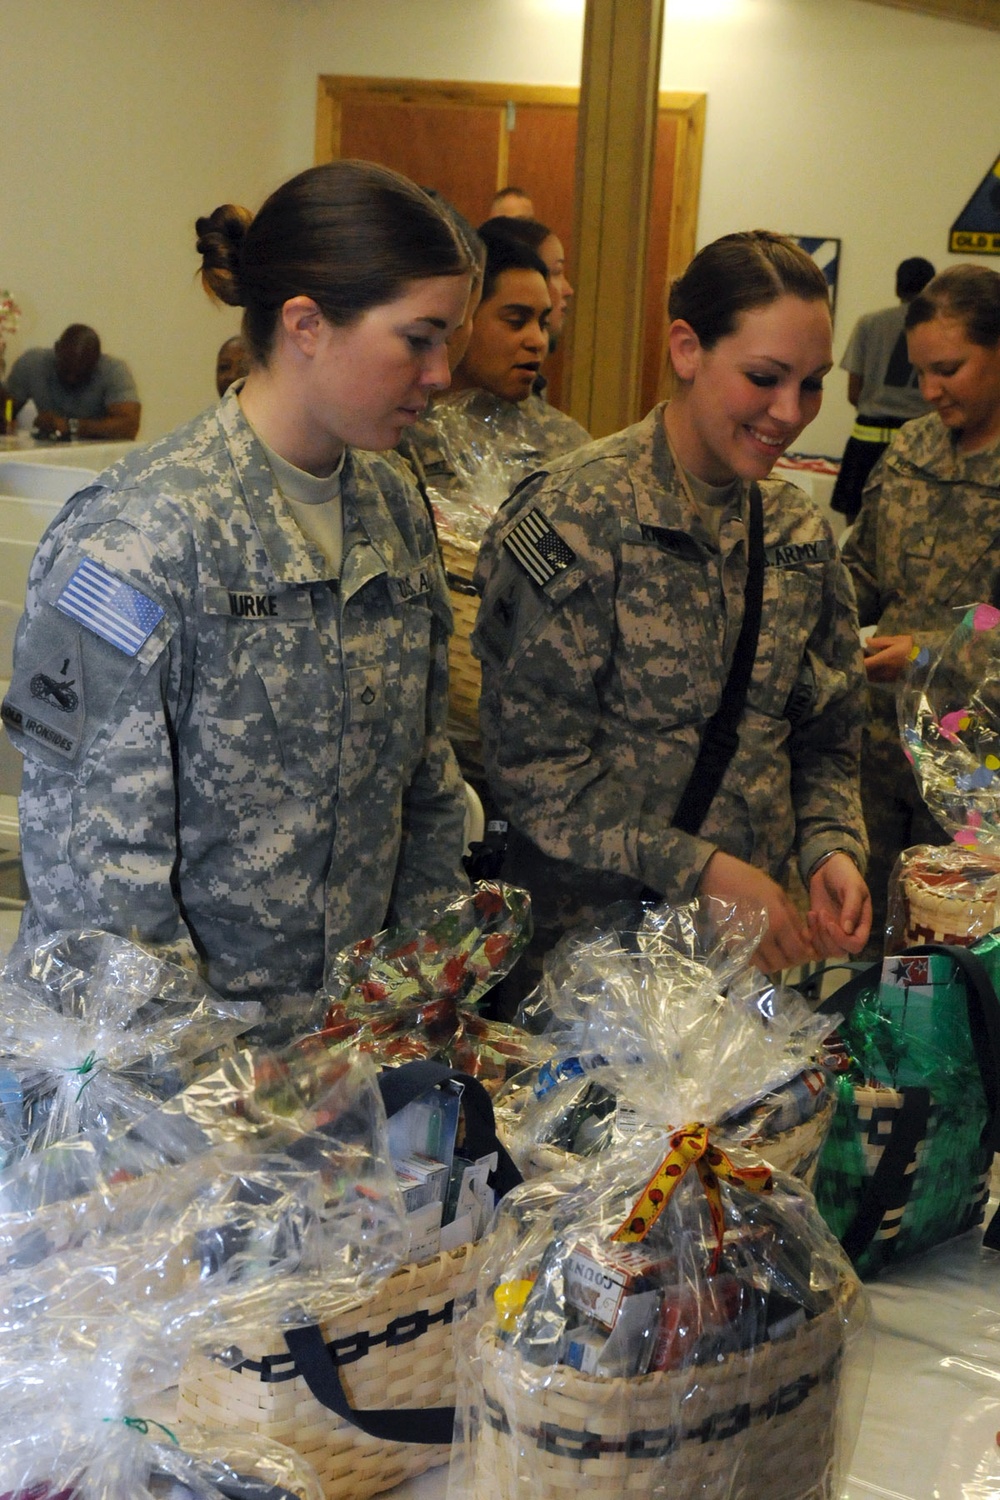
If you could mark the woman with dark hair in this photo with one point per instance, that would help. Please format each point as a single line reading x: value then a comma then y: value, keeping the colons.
x: 230, y: 680
x: 619, y: 592
x: 927, y: 540
x: 549, y: 248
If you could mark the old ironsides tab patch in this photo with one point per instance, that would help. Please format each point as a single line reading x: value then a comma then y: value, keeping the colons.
x: 539, y: 549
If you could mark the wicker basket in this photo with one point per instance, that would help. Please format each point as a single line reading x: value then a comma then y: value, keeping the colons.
x: 464, y: 677
x: 759, y: 1425
x: 395, y: 1350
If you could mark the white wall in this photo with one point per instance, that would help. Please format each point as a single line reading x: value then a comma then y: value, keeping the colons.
x: 125, y: 119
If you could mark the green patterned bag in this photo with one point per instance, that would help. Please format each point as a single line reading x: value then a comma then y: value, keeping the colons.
x: 907, y: 1161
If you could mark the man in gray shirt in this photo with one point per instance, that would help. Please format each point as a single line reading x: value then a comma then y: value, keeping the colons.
x: 882, y: 384
x: 78, y: 391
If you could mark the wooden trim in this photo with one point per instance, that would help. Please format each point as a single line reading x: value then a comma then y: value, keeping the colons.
x: 442, y: 91
x: 985, y: 13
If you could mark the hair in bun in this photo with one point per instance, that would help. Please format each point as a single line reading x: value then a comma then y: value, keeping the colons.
x: 349, y: 234
x: 221, y: 237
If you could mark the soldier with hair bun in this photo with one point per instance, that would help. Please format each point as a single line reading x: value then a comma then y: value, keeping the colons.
x: 614, y: 588
x: 251, y: 769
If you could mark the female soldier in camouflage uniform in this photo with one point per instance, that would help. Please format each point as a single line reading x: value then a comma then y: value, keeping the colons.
x: 230, y: 680
x: 613, y: 592
x: 927, y: 541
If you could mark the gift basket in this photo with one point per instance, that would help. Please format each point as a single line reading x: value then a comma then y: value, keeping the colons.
x: 670, y: 1319
x: 404, y: 995
x: 907, y: 1161
x: 262, y: 1215
x: 949, y: 719
x: 669, y: 1017
x: 94, y: 1032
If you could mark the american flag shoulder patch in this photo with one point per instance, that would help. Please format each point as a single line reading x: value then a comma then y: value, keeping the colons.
x: 538, y: 548
x: 110, y: 607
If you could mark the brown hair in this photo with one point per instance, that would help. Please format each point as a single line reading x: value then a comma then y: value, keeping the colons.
x: 740, y: 272
x: 348, y: 234
x: 966, y: 292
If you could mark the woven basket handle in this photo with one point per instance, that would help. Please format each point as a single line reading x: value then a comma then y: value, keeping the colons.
x: 410, y: 1425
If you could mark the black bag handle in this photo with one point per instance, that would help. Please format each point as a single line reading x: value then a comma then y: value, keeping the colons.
x: 983, y: 1005
x: 399, y: 1087
x: 721, y: 737
x: 408, y: 1425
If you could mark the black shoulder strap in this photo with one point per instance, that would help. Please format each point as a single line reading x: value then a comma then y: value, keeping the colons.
x: 721, y: 736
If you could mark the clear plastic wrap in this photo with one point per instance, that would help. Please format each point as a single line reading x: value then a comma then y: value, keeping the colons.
x: 943, y: 894
x: 264, y: 1202
x: 666, y: 1024
x: 489, y: 447
x: 949, y: 721
x: 671, y: 1320
x: 94, y: 1032
x: 67, y: 1430
x: 405, y: 995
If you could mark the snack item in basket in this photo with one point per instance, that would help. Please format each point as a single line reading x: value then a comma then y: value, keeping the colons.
x: 943, y: 895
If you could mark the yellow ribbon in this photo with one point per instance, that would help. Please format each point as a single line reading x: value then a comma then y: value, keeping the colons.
x: 690, y: 1147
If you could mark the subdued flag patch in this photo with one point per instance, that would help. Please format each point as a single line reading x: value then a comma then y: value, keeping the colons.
x: 539, y: 549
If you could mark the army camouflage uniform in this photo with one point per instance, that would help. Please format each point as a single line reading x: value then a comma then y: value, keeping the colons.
x: 231, y: 754
x: 925, y: 546
x: 524, y: 433
x: 608, y: 623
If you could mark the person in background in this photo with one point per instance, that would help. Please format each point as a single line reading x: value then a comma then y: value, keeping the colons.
x: 512, y: 203
x: 927, y: 541
x: 493, y: 382
x: 548, y: 247
x: 78, y: 391
x: 613, y: 594
x: 882, y: 384
x: 232, y: 363
x: 230, y: 680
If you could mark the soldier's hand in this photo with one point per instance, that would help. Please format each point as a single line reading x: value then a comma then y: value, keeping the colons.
x: 886, y: 656
x: 840, y: 912
x: 787, y: 940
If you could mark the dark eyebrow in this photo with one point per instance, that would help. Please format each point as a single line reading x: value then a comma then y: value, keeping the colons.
x: 779, y: 364
x: 525, y: 309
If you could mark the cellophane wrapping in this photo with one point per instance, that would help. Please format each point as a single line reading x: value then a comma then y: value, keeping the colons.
x: 949, y: 722
x: 659, y: 1364
x: 942, y: 894
x: 670, y: 1022
x: 405, y: 995
x: 94, y: 1032
x: 259, y: 1197
x: 489, y: 448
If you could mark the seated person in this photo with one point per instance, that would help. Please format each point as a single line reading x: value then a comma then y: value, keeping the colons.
x: 232, y: 363
x: 492, y: 390
x: 78, y: 391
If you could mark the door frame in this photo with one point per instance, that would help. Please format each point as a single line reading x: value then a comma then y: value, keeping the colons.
x: 688, y: 108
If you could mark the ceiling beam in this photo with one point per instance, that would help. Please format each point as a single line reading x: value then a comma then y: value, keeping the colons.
x: 972, y: 12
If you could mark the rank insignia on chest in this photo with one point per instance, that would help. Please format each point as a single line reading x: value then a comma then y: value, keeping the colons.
x: 538, y: 548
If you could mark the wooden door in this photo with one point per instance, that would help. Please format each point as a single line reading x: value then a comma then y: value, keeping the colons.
x: 467, y: 140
